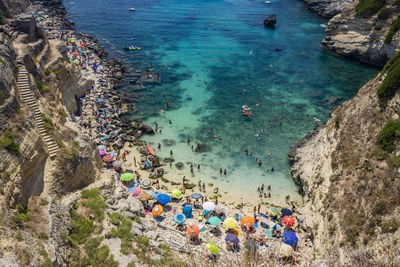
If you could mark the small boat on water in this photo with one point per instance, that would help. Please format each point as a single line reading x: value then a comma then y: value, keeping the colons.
x: 132, y: 9
x: 246, y: 111
x: 132, y: 48
x: 267, y: 2
x: 322, y: 25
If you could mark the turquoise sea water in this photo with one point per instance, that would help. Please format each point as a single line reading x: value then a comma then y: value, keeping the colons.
x: 215, y: 56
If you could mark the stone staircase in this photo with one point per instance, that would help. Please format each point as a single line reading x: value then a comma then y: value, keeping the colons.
x: 27, y: 95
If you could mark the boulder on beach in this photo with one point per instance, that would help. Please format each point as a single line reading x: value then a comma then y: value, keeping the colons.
x: 145, y: 129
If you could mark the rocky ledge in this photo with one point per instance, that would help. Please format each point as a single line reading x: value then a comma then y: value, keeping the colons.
x: 328, y: 8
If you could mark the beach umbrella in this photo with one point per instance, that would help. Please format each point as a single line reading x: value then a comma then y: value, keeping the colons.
x: 155, y: 194
x: 176, y: 193
x: 274, y: 210
x: 232, y: 239
x: 290, y: 238
x: 101, y: 100
x: 146, y: 184
x: 286, y: 250
x: 212, y: 248
x: 286, y: 212
x: 163, y: 199
x: 214, y: 220
x: 193, y: 230
x: 136, y: 192
x: 117, y: 163
x: 288, y: 220
x: 102, y: 147
x: 144, y: 196
x: 230, y: 223
x: 127, y: 177
x: 179, y: 218
x: 209, y: 206
x: 108, y: 158
x: 54, y: 31
x: 247, y: 221
x: 76, y: 54
x: 157, y: 210
x: 187, y: 210
x: 219, y: 208
x: 196, y: 195
x: 102, y: 152
x: 269, y: 233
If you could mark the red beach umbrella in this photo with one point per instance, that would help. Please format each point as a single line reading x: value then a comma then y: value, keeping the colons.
x: 288, y: 220
x: 136, y: 192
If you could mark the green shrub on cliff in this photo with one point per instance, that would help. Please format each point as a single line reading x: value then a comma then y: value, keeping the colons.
x: 393, y: 29
x: 8, y: 142
x: 42, y: 87
x: 384, y: 14
x: 388, y: 135
x: 391, y: 84
x: 367, y: 8
x: 1, y: 18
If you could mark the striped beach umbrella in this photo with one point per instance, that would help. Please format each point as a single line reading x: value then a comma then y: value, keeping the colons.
x: 230, y: 223
x: 108, y: 158
x: 117, y: 163
x: 176, y: 193
x: 180, y: 218
x: 196, y: 195
x: 144, y: 196
x: 288, y: 220
x: 127, y: 177
x: 214, y: 221
x: 146, y: 184
x: 157, y: 210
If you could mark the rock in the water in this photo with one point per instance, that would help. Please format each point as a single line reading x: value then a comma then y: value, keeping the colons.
x: 179, y: 165
x: 270, y: 21
x: 168, y: 142
x: 203, y: 148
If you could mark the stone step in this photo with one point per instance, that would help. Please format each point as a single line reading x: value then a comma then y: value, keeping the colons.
x: 53, y: 147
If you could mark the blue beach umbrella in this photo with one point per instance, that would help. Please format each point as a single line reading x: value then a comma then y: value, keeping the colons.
x: 286, y: 212
x: 290, y: 238
x: 155, y: 194
x: 163, y: 199
x: 100, y: 100
x: 187, y: 210
x: 232, y: 239
x: 214, y: 221
x: 196, y: 195
x: 180, y: 218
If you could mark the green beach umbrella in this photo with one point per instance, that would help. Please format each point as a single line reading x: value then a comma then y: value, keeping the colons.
x: 177, y: 193
x: 127, y: 177
x: 274, y: 210
x: 212, y: 248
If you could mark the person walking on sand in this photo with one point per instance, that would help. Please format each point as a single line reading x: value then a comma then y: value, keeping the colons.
x: 204, y: 187
x: 200, y: 185
x: 183, y: 180
x: 258, y: 208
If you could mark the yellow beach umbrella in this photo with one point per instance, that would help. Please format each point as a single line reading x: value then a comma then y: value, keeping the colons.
x: 230, y: 223
x: 177, y: 193
x: 212, y: 248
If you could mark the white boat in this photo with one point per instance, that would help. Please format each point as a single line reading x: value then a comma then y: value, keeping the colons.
x: 267, y: 2
x: 323, y: 25
x: 132, y: 9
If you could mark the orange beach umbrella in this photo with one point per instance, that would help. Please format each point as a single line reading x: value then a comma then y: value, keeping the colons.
x: 157, y: 210
x: 247, y: 221
x: 193, y: 230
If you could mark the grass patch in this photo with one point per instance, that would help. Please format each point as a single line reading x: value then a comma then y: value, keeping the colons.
x: 390, y: 227
x: 394, y: 161
x: 2, y: 95
x: 93, y: 200
x: 42, y: 86
x: 388, y: 135
x: 82, y: 228
x: 48, y: 124
x: 391, y: 83
x: 22, y: 215
x: 384, y: 14
x: 8, y: 142
x: 123, y: 231
x: 392, y: 31
x: 367, y: 8
x: 47, y: 71
x: 337, y: 122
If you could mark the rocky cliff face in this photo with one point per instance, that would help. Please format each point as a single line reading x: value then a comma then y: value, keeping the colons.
x: 351, y: 186
x: 328, y: 8
x: 361, y: 35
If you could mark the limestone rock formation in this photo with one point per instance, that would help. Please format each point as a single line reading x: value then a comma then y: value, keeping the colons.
x: 328, y: 8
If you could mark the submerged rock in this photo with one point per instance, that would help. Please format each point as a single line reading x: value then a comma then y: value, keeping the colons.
x: 168, y: 142
x: 179, y: 165
x: 270, y: 21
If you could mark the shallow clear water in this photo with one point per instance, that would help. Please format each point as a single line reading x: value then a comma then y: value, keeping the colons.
x: 215, y: 56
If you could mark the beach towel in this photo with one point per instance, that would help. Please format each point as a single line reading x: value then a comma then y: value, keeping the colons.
x: 255, y: 225
x: 264, y: 215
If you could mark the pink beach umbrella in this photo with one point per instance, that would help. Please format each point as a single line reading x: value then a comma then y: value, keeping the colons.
x: 102, y: 152
x: 108, y: 158
x: 136, y: 192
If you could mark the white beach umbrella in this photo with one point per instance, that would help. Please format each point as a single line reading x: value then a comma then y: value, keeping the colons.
x: 209, y: 206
